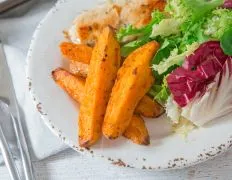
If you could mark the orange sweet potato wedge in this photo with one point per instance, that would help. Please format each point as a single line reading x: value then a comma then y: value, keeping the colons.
x: 137, y: 131
x: 104, y: 64
x: 76, y: 52
x: 134, y: 79
x: 73, y: 85
x: 149, y: 108
x: 79, y: 69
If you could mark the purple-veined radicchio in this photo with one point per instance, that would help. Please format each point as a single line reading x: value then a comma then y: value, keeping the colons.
x: 216, y: 102
x: 227, y: 4
x: 197, y: 72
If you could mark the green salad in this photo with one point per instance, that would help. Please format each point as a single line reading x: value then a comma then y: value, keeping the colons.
x: 189, y: 32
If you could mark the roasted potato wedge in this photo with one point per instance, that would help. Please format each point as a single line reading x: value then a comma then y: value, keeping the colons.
x: 133, y: 81
x: 79, y: 69
x: 149, y: 108
x: 76, y: 52
x: 73, y: 85
x: 137, y: 131
x: 104, y: 64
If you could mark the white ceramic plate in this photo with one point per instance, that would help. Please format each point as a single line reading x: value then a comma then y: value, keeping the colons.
x: 59, y: 112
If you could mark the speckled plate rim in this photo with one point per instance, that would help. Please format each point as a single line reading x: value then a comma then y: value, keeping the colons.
x: 213, y: 152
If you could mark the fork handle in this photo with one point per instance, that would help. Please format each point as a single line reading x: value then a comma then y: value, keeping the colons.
x: 7, y: 156
x: 24, y: 152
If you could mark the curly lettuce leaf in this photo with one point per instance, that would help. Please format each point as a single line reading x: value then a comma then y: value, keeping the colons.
x: 166, y: 27
x: 129, y: 30
x: 142, y: 34
x: 200, y: 8
x: 192, y: 28
x: 219, y: 21
x: 160, y: 92
x: 133, y: 45
x: 190, y: 31
x: 165, y: 50
x: 183, y: 22
x: 191, y: 9
x: 174, y: 59
x: 177, y: 9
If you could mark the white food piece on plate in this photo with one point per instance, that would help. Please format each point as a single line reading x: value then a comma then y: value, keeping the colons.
x: 73, y: 35
x: 120, y: 2
x: 87, y: 26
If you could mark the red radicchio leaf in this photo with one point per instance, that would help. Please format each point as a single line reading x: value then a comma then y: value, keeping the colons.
x: 227, y: 4
x: 197, y: 72
x: 216, y: 102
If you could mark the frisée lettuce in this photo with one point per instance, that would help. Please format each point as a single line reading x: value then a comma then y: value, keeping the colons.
x: 175, y: 58
x: 193, y: 30
x: 195, y: 38
x: 141, y: 35
x: 160, y: 92
x: 217, y: 23
x: 166, y: 28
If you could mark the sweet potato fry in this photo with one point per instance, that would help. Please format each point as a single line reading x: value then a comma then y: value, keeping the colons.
x: 133, y: 81
x: 137, y: 131
x: 79, y: 69
x: 76, y: 52
x: 149, y: 108
x: 73, y: 85
x: 146, y: 107
x: 104, y: 64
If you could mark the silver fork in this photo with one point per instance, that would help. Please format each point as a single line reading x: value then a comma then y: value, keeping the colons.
x: 6, y: 154
x: 13, y: 111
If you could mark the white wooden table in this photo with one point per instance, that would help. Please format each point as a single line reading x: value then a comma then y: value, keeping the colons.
x: 70, y: 165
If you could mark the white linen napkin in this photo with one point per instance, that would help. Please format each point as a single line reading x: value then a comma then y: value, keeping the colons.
x: 17, y: 33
